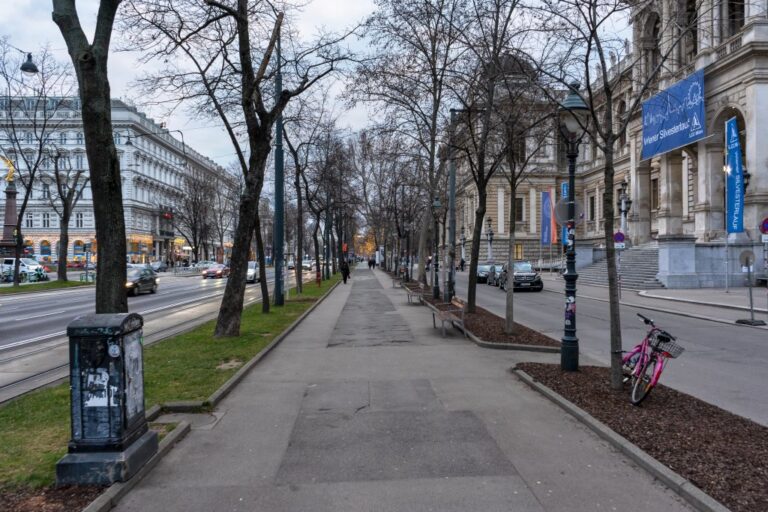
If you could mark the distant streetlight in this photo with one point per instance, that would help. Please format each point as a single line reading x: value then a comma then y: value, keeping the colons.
x: 489, y: 237
x: 573, y: 114
x: 436, y: 205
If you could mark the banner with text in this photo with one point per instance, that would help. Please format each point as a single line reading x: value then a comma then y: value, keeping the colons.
x: 546, y: 218
x: 734, y: 185
x: 675, y: 117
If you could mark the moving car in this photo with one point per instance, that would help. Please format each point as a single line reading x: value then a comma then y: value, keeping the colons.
x: 482, y: 273
x: 524, y: 277
x: 139, y: 280
x: 216, y: 270
x: 252, y: 275
x: 159, y: 266
x: 307, y: 264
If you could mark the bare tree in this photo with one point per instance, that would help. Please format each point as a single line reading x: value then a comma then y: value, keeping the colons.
x: 193, y: 210
x: 220, y: 61
x: 225, y: 196
x: 90, y: 62
x: 32, y: 116
x: 417, y: 45
x: 68, y: 182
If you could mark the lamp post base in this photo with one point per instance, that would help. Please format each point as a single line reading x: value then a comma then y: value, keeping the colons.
x: 569, y: 356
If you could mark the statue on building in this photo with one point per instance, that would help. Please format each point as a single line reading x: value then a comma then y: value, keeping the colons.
x: 11, y: 169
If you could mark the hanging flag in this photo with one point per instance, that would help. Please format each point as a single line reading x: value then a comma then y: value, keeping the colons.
x: 734, y: 179
x: 564, y: 196
x: 546, y: 218
x: 552, y: 220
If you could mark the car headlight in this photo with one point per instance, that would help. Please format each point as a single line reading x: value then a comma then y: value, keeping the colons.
x: 128, y: 284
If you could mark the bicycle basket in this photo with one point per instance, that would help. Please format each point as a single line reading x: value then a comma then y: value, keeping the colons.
x: 666, y: 344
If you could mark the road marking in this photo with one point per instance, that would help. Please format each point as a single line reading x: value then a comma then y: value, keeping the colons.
x: 32, y: 340
x: 40, y: 316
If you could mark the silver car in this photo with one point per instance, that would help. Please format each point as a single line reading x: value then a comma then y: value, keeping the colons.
x: 252, y: 275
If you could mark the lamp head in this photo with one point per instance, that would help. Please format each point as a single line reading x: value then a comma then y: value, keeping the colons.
x: 29, y: 68
x: 128, y: 142
x: 436, y: 204
x: 573, y: 112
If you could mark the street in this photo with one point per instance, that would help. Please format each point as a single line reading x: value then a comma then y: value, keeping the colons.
x: 33, y: 332
x: 722, y: 364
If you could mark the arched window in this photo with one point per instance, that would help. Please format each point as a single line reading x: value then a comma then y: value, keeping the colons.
x: 735, y: 16
x: 45, y: 248
x: 621, y: 115
x: 63, y: 138
x: 79, y: 138
x: 78, y: 248
x: 691, y: 33
x: 29, y: 248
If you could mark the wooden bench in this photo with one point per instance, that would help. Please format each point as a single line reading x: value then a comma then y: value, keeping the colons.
x: 454, y: 314
x: 416, y: 293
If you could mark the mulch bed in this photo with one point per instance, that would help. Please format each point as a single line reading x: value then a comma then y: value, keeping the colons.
x: 723, y: 454
x: 48, y: 499
x: 490, y: 327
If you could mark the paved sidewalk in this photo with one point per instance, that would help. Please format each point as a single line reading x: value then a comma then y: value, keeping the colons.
x: 365, y: 407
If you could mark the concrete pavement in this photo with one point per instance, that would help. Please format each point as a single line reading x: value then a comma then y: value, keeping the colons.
x: 365, y: 407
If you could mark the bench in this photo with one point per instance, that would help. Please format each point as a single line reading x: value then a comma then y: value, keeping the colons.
x: 416, y: 293
x: 453, y: 314
x: 397, y: 282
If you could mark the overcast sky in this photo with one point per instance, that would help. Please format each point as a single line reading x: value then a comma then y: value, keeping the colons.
x: 28, y: 25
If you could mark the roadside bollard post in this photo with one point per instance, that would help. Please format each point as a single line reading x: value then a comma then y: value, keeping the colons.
x: 110, y: 439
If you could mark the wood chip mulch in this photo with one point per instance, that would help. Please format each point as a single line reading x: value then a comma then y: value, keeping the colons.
x: 723, y: 454
x: 48, y: 499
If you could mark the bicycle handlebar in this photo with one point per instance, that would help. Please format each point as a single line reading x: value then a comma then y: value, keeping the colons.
x: 645, y: 319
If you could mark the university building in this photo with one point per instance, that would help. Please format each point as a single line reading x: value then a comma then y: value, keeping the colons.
x: 152, y: 164
x: 678, y: 196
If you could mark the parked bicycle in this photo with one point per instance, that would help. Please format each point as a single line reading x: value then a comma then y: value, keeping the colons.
x: 644, y: 364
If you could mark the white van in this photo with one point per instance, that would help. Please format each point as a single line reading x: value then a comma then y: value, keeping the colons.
x: 26, y: 265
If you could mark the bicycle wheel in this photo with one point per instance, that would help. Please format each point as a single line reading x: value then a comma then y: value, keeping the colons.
x: 641, y: 384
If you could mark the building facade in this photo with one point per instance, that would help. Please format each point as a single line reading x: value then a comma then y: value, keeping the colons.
x: 678, y: 198
x: 153, y: 164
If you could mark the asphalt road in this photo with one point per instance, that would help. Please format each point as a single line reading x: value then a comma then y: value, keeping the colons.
x: 722, y: 364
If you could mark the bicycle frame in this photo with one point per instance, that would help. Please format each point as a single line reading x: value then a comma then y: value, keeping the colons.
x: 645, y: 353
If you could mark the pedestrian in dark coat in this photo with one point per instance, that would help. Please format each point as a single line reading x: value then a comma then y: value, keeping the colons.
x: 344, y: 270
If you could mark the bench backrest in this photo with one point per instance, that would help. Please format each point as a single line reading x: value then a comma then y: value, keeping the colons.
x: 459, y: 304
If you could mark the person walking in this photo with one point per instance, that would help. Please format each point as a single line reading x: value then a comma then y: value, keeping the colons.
x: 462, y: 264
x: 344, y: 270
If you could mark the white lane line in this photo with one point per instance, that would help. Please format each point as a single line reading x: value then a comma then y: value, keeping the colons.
x: 32, y: 340
x: 39, y: 316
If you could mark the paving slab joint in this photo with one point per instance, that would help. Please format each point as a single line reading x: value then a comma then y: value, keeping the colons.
x: 115, y: 492
x: 682, y: 487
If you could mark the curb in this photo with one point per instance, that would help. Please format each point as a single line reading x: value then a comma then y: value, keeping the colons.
x: 684, y: 488
x: 115, y: 492
x: 224, y: 390
x: 645, y: 293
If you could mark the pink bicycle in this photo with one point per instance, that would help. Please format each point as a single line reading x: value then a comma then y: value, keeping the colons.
x: 644, y: 364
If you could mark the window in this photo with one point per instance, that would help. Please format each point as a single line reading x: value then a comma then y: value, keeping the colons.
x: 46, y: 191
x: 735, y: 16
x: 519, y: 209
x: 78, y: 220
x: 79, y: 138
x: 29, y: 138
x: 63, y: 138
x: 79, y: 161
x: 118, y: 139
x: 591, y: 208
x: 29, y: 221
x: 46, y: 220
x: 655, y: 194
x: 518, y: 251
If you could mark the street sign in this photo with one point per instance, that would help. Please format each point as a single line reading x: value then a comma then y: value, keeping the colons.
x: 764, y: 226
x: 618, y: 237
x: 764, y: 238
x: 620, y: 245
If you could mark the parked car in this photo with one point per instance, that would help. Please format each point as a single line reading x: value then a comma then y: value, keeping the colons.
x: 26, y: 265
x: 494, y: 274
x: 291, y: 264
x: 217, y: 270
x: 139, y: 280
x: 204, y: 264
x: 252, y: 275
x: 307, y: 264
x: 524, y: 277
x: 482, y: 273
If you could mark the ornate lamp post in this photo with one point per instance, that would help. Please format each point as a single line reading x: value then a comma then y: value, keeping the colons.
x: 623, y: 204
x: 489, y: 237
x: 574, y: 114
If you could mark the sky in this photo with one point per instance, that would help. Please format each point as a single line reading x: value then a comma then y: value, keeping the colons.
x: 28, y: 26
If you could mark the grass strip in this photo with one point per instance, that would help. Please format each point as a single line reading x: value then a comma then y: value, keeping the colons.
x: 41, y: 286
x: 35, y: 428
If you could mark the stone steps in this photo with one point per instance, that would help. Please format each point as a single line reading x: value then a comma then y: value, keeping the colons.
x: 639, y: 267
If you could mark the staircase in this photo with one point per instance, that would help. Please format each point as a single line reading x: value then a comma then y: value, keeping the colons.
x: 639, y: 266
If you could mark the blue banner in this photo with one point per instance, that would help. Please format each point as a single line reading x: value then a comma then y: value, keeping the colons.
x: 734, y: 184
x: 564, y: 195
x: 546, y: 218
x: 675, y: 117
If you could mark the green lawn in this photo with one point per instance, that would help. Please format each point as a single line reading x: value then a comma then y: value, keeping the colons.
x: 34, y: 430
x: 41, y: 286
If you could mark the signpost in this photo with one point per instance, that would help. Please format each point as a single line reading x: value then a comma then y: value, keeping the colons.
x: 747, y: 258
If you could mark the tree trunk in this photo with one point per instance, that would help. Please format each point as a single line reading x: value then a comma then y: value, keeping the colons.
x: 509, y: 317
x: 613, y: 280
x: 318, y: 268
x: 474, y: 255
x: 61, y: 271
x: 262, y: 265
x: 90, y: 62
x: 299, y: 236
x: 228, y: 321
x: 423, y: 249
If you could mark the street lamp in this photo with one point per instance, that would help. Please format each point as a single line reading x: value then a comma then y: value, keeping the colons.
x: 436, y: 205
x: 463, y: 239
x: 29, y: 68
x: 624, y: 203
x: 489, y: 237
x: 573, y: 116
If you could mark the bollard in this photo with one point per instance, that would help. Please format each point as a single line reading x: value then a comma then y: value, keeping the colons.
x: 110, y: 440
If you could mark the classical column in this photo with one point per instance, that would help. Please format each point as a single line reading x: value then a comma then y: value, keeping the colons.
x: 710, y: 199
x: 670, y: 215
